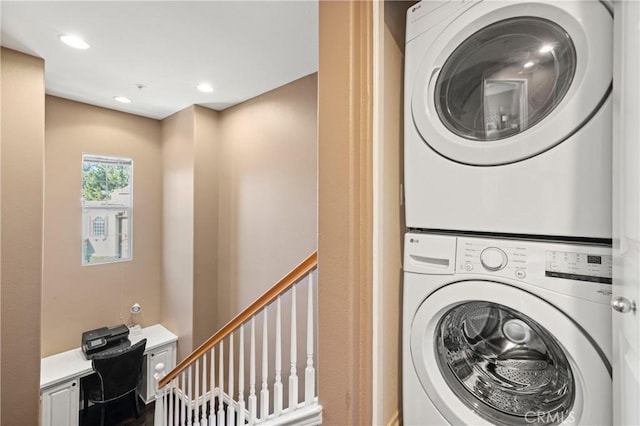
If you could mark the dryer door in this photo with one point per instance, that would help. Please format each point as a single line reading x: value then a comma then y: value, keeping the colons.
x: 489, y: 353
x: 506, y: 81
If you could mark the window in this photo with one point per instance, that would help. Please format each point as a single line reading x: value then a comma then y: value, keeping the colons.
x: 107, y: 202
x: 98, y: 226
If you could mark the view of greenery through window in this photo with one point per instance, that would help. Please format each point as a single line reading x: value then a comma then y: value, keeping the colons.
x: 106, y: 202
x: 99, y: 180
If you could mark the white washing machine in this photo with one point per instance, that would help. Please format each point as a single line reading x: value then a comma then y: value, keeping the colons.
x: 505, y: 332
x: 508, y: 117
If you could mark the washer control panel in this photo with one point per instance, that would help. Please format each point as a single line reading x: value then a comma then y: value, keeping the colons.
x: 581, y: 270
x: 577, y: 270
x: 480, y: 256
x: 579, y: 266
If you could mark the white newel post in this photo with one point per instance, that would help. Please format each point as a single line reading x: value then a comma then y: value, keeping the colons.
x: 158, y: 418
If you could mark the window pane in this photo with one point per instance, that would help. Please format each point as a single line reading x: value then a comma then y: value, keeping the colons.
x: 107, y: 206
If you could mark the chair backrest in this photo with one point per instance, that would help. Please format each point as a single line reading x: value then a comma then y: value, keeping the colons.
x: 120, y: 371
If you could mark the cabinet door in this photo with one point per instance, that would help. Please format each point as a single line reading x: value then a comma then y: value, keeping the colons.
x: 165, y: 355
x: 60, y: 405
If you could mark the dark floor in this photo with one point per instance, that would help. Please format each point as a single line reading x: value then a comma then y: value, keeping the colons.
x: 119, y: 413
x: 122, y: 413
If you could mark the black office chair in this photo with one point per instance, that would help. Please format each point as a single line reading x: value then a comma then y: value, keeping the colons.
x: 117, y: 374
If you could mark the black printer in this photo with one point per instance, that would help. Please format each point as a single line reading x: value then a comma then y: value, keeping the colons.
x: 104, y: 339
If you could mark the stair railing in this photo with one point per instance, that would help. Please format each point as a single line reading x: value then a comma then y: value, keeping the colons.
x: 195, y: 393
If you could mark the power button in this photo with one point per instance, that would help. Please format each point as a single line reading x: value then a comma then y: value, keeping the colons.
x: 520, y: 273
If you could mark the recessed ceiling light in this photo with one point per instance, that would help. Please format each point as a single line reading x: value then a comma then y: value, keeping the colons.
x: 528, y: 64
x: 122, y: 99
x: 205, y: 87
x: 73, y: 41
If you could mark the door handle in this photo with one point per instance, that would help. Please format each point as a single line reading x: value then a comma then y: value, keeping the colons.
x: 623, y: 305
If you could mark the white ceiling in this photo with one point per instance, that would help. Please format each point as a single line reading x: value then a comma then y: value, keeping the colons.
x: 242, y: 48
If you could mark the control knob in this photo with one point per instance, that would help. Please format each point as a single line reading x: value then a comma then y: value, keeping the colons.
x: 493, y: 258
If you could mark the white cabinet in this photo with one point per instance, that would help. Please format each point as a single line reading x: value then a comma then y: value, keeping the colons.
x: 60, y: 404
x: 60, y: 375
x: 165, y: 354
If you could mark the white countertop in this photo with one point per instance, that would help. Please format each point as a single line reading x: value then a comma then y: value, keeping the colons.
x: 71, y: 364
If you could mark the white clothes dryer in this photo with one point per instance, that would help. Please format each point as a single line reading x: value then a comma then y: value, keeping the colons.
x: 505, y: 332
x: 508, y: 117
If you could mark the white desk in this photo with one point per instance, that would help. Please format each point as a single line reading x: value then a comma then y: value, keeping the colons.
x: 60, y: 375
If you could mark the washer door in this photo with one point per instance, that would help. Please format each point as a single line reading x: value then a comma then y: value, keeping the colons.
x: 489, y: 353
x: 504, y: 82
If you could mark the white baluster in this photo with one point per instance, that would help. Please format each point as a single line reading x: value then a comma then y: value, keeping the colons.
x: 176, y: 401
x: 241, y: 406
x: 277, y: 385
x: 230, y: 408
x: 183, y: 398
x: 252, y: 375
x: 158, y: 414
x: 170, y: 402
x: 221, y: 391
x: 212, y: 384
x: 310, y: 374
x: 264, y: 393
x: 293, y: 377
x: 203, y: 421
x: 165, y: 414
x: 196, y: 395
x: 189, y: 398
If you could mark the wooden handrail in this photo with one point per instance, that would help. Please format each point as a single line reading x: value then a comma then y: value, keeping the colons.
x: 269, y: 296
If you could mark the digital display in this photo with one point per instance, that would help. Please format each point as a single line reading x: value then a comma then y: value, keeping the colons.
x: 577, y: 266
x: 594, y: 260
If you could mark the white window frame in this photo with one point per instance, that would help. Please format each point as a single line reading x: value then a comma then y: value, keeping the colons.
x: 94, y: 209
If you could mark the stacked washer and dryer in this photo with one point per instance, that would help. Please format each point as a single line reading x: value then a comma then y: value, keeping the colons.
x: 507, y: 262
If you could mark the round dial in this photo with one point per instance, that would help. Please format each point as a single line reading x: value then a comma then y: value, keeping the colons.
x: 493, y: 258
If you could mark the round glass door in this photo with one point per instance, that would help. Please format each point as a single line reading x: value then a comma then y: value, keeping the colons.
x: 503, y: 82
x: 488, y: 353
x: 505, y: 78
x: 504, y: 365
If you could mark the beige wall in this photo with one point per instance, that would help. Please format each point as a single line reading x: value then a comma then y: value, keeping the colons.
x: 190, y: 243
x: 389, y: 231
x: 21, y: 192
x: 205, y: 244
x: 178, y: 227
x: 77, y: 298
x: 268, y: 191
x: 345, y: 212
